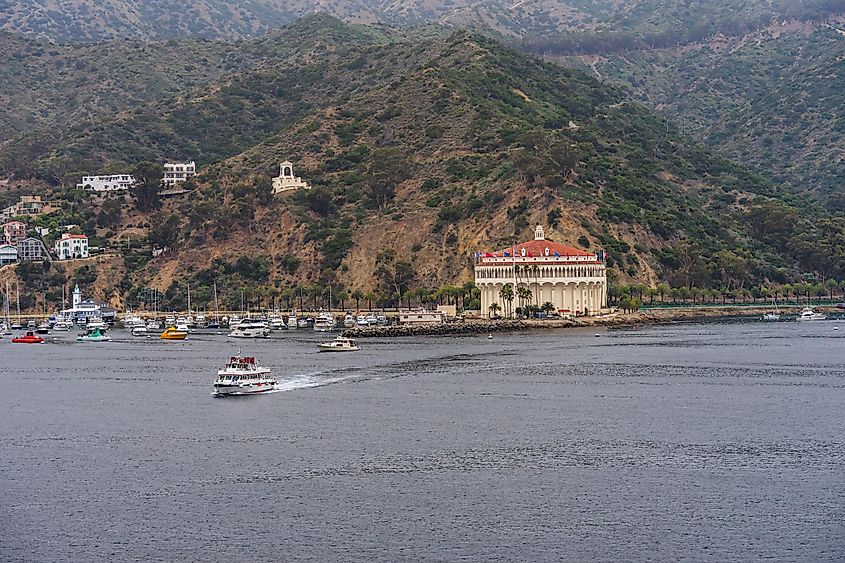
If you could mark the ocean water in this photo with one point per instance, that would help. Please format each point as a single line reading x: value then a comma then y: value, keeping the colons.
x: 717, y: 442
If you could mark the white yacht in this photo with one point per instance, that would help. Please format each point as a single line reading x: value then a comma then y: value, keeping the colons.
x: 43, y: 328
x: 170, y: 320
x: 372, y: 319
x: 249, y: 328
x: 382, y: 320
x: 131, y: 321
x: 339, y: 344
x: 304, y: 322
x: 153, y: 324
x: 140, y: 331
x: 324, y: 322
x: 95, y: 323
x: 771, y: 316
x: 292, y: 321
x: 348, y: 321
x: 62, y: 326
x: 242, y: 376
x: 808, y: 314
x: 361, y: 321
x: 277, y: 323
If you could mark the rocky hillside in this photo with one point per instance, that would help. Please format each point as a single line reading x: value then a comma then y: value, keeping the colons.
x: 421, y: 151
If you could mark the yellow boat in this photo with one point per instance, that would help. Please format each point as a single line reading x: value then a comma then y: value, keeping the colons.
x: 170, y: 333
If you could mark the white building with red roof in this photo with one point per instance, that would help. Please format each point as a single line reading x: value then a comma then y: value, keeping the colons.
x: 573, y: 280
x: 71, y: 247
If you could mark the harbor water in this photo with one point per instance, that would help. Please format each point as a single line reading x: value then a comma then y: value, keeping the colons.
x: 718, y: 441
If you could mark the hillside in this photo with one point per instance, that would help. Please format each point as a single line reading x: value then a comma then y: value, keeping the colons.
x: 771, y: 99
x: 421, y: 151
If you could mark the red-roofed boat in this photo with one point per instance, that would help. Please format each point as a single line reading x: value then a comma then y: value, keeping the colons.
x: 29, y: 338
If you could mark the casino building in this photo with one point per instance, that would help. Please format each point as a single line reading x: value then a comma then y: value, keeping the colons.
x: 573, y: 280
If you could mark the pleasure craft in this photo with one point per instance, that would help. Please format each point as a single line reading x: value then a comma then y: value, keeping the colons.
x: 153, y: 324
x: 140, y: 331
x: 242, y: 376
x: 249, y: 328
x: 808, y: 314
x: 372, y: 319
x: 292, y: 321
x: 382, y: 320
x: 361, y: 321
x: 62, y: 326
x: 771, y: 316
x: 348, y: 321
x: 29, y: 338
x: 277, y: 323
x: 93, y: 335
x: 339, y: 344
x: 304, y: 322
x: 130, y: 322
x: 324, y: 322
x: 43, y: 328
x: 172, y: 333
x: 95, y: 323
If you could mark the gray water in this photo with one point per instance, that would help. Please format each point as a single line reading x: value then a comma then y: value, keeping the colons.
x: 720, y: 442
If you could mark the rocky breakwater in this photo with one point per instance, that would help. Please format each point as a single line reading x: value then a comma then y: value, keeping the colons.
x: 459, y: 328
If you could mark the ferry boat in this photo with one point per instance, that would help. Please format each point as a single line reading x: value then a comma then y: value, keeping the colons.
x: 242, y: 376
x: 808, y: 314
x: 171, y: 333
x: 93, y: 335
x: 249, y: 328
x: 339, y: 344
x: 324, y: 322
x: 29, y: 338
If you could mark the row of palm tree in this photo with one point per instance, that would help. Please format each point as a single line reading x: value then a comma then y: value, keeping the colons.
x: 663, y: 293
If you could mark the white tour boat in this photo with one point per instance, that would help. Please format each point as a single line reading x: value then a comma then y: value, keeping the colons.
x: 339, y: 344
x: 249, y: 328
x: 808, y: 314
x: 242, y: 376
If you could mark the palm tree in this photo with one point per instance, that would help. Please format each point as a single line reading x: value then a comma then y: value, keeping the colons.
x: 494, y: 309
x: 547, y: 307
x: 506, y: 293
x: 357, y: 295
x: 662, y: 289
x: 342, y: 296
x: 524, y: 295
x: 370, y: 297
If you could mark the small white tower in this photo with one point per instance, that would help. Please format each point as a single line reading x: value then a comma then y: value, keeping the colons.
x: 77, y: 296
x: 539, y: 234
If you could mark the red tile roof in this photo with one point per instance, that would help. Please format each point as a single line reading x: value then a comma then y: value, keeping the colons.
x: 538, y: 248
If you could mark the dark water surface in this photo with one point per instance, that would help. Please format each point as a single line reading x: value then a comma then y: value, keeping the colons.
x: 721, y: 442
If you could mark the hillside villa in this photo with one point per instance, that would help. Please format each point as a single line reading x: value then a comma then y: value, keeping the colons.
x: 71, y: 247
x: 573, y: 280
x: 178, y: 172
x: 27, y: 206
x: 112, y: 183
x: 14, y: 232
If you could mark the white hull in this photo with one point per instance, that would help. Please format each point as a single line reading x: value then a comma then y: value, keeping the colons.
x: 249, y: 333
x: 338, y: 349
x: 246, y: 389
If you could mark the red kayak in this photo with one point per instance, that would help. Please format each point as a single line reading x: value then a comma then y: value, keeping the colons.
x: 28, y: 338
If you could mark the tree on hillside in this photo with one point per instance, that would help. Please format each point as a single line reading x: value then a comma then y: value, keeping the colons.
x: 148, y: 177
x: 388, y: 168
x: 164, y: 232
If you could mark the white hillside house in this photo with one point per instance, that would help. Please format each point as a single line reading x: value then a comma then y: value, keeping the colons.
x: 178, y: 172
x: 286, y: 181
x: 71, y: 247
x: 113, y: 183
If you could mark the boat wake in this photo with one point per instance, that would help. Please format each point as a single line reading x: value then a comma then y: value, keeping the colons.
x: 313, y: 380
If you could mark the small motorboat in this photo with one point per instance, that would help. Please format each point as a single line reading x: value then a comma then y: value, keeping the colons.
x: 771, y: 316
x: 93, y: 335
x: 29, y: 338
x: 95, y: 323
x: 339, y: 344
x: 372, y: 320
x: 808, y: 314
x: 140, y: 331
x: 171, y: 333
x: 324, y: 322
x: 242, y: 376
x: 62, y: 326
x: 361, y: 321
x: 277, y: 323
x: 153, y: 325
x: 43, y: 328
x: 292, y: 321
x: 348, y: 321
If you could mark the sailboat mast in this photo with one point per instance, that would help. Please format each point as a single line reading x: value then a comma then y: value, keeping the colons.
x: 18, y: 298
x: 189, y: 299
x: 216, y: 303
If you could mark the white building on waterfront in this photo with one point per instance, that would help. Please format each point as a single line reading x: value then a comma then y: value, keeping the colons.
x: 88, y: 309
x: 112, y: 183
x: 71, y: 247
x: 286, y: 181
x: 178, y: 172
x: 573, y: 280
